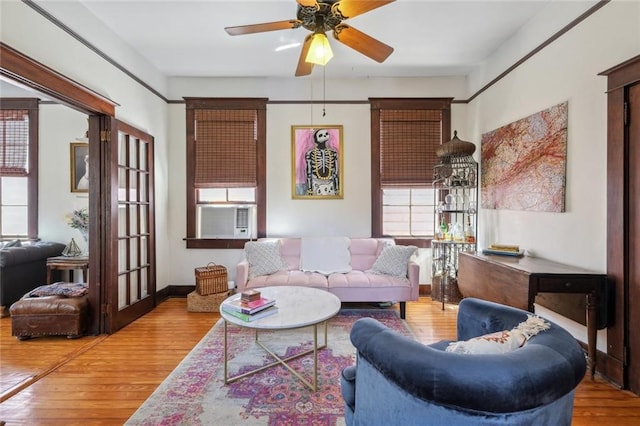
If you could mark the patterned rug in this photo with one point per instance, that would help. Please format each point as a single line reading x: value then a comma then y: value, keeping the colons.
x: 195, y: 393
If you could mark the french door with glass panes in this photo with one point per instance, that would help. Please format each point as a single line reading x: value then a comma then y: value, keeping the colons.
x: 129, y: 225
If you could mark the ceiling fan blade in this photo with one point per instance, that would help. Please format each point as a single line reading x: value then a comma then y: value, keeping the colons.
x: 351, y: 8
x: 304, y: 67
x: 307, y: 3
x: 260, y: 28
x: 367, y: 45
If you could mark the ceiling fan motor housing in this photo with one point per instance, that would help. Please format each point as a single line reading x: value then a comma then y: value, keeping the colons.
x: 326, y: 14
x: 320, y: 17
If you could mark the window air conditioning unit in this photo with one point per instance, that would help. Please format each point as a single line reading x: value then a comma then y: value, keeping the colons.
x: 228, y: 222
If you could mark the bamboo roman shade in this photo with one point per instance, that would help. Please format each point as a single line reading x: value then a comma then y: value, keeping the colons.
x: 14, y: 142
x: 225, y: 148
x: 408, y: 142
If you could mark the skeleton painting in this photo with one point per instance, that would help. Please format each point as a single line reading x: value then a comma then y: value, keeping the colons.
x: 317, y: 161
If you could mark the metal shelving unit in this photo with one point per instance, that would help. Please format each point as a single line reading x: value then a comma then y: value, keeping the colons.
x: 456, y: 203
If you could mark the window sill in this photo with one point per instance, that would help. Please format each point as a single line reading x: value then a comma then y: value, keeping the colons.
x: 200, y: 243
x: 420, y: 242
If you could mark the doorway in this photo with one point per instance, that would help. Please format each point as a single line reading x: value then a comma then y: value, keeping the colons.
x: 623, y: 221
x: 121, y: 227
x: 633, y: 297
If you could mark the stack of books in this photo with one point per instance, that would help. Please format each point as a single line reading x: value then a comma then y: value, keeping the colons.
x: 250, y: 306
x: 504, y: 250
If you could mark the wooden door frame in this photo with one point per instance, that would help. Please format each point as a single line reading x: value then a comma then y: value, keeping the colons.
x: 618, y: 199
x: 33, y: 75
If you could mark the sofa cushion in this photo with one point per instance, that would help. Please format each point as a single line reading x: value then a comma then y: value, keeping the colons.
x: 364, y: 252
x: 290, y: 251
x: 11, y: 256
x: 264, y: 257
x: 291, y: 278
x: 325, y: 255
x: 361, y: 279
x: 393, y: 260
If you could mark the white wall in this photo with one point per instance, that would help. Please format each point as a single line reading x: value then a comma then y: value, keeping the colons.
x: 567, y: 70
x: 28, y: 32
x: 58, y: 126
x: 350, y: 216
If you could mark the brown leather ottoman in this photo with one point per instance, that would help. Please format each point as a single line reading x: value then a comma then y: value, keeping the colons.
x: 49, y: 316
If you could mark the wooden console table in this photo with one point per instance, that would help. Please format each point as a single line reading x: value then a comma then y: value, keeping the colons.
x: 515, y: 281
x: 68, y: 263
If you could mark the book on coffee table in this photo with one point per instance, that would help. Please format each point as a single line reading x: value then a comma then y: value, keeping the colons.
x: 250, y: 308
x: 248, y: 317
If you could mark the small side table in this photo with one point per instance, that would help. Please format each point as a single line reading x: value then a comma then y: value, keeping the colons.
x: 67, y: 263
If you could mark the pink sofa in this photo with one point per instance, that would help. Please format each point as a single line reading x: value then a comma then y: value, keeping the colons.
x: 357, y: 285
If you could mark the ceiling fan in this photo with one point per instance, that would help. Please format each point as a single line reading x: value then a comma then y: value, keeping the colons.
x: 319, y: 17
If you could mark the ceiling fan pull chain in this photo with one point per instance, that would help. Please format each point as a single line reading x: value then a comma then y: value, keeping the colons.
x: 324, y: 91
x: 311, y: 103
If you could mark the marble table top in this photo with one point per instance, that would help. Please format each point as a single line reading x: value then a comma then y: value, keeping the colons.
x: 297, y: 307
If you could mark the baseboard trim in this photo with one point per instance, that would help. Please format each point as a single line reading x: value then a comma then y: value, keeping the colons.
x: 609, y: 368
x: 174, y: 291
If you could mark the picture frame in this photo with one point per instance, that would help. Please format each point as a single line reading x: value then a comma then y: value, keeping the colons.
x: 317, y: 162
x: 79, y: 167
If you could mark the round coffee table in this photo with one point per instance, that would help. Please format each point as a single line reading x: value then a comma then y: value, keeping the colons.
x: 297, y: 307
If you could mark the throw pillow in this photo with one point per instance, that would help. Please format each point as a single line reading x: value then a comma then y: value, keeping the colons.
x: 393, y: 261
x: 499, y: 342
x: 60, y: 289
x: 264, y: 258
x: 14, y: 243
x: 503, y: 341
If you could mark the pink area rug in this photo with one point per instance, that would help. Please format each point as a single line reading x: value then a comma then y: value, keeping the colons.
x: 195, y: 393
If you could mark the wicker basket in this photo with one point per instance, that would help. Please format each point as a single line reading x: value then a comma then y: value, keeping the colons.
x: 211, y: 279
x: 210, y: 303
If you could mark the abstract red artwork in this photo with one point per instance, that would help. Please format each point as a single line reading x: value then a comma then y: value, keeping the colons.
x: 523, y: 164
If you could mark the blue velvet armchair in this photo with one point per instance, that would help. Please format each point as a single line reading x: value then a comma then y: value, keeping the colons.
x: 399, y: 381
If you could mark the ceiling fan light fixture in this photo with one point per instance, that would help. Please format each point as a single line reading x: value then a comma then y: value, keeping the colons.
x: 320, y: 50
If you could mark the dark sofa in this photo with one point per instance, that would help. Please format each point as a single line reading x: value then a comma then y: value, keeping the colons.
x: 24, y: 268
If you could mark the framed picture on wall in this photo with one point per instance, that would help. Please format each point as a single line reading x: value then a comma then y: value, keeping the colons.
x: 79, y: 167
x: 316, y: 162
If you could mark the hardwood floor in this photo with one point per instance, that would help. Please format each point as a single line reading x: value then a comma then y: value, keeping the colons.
x: 102, y: 380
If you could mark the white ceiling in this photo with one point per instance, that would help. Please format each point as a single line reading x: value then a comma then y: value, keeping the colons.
x: 187, y: 38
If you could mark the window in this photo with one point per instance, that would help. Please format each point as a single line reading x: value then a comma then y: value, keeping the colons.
x: 18, y: 169
x: 226, y: 171
x: 408, y: 212
x: 404, y: 136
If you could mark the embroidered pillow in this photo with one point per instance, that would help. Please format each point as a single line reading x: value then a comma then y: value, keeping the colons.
x: 503, y: 341
x: 60, y: 289
x: 264, y: 258
x: 393, y: 261
x: 499, y: 342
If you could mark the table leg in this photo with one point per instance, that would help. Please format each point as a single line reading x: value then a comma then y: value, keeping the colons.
x: 225, y: 352
x: 49, y: 268
x: 282, y: 361
x: 315, y: 356
x: 592, y: 331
